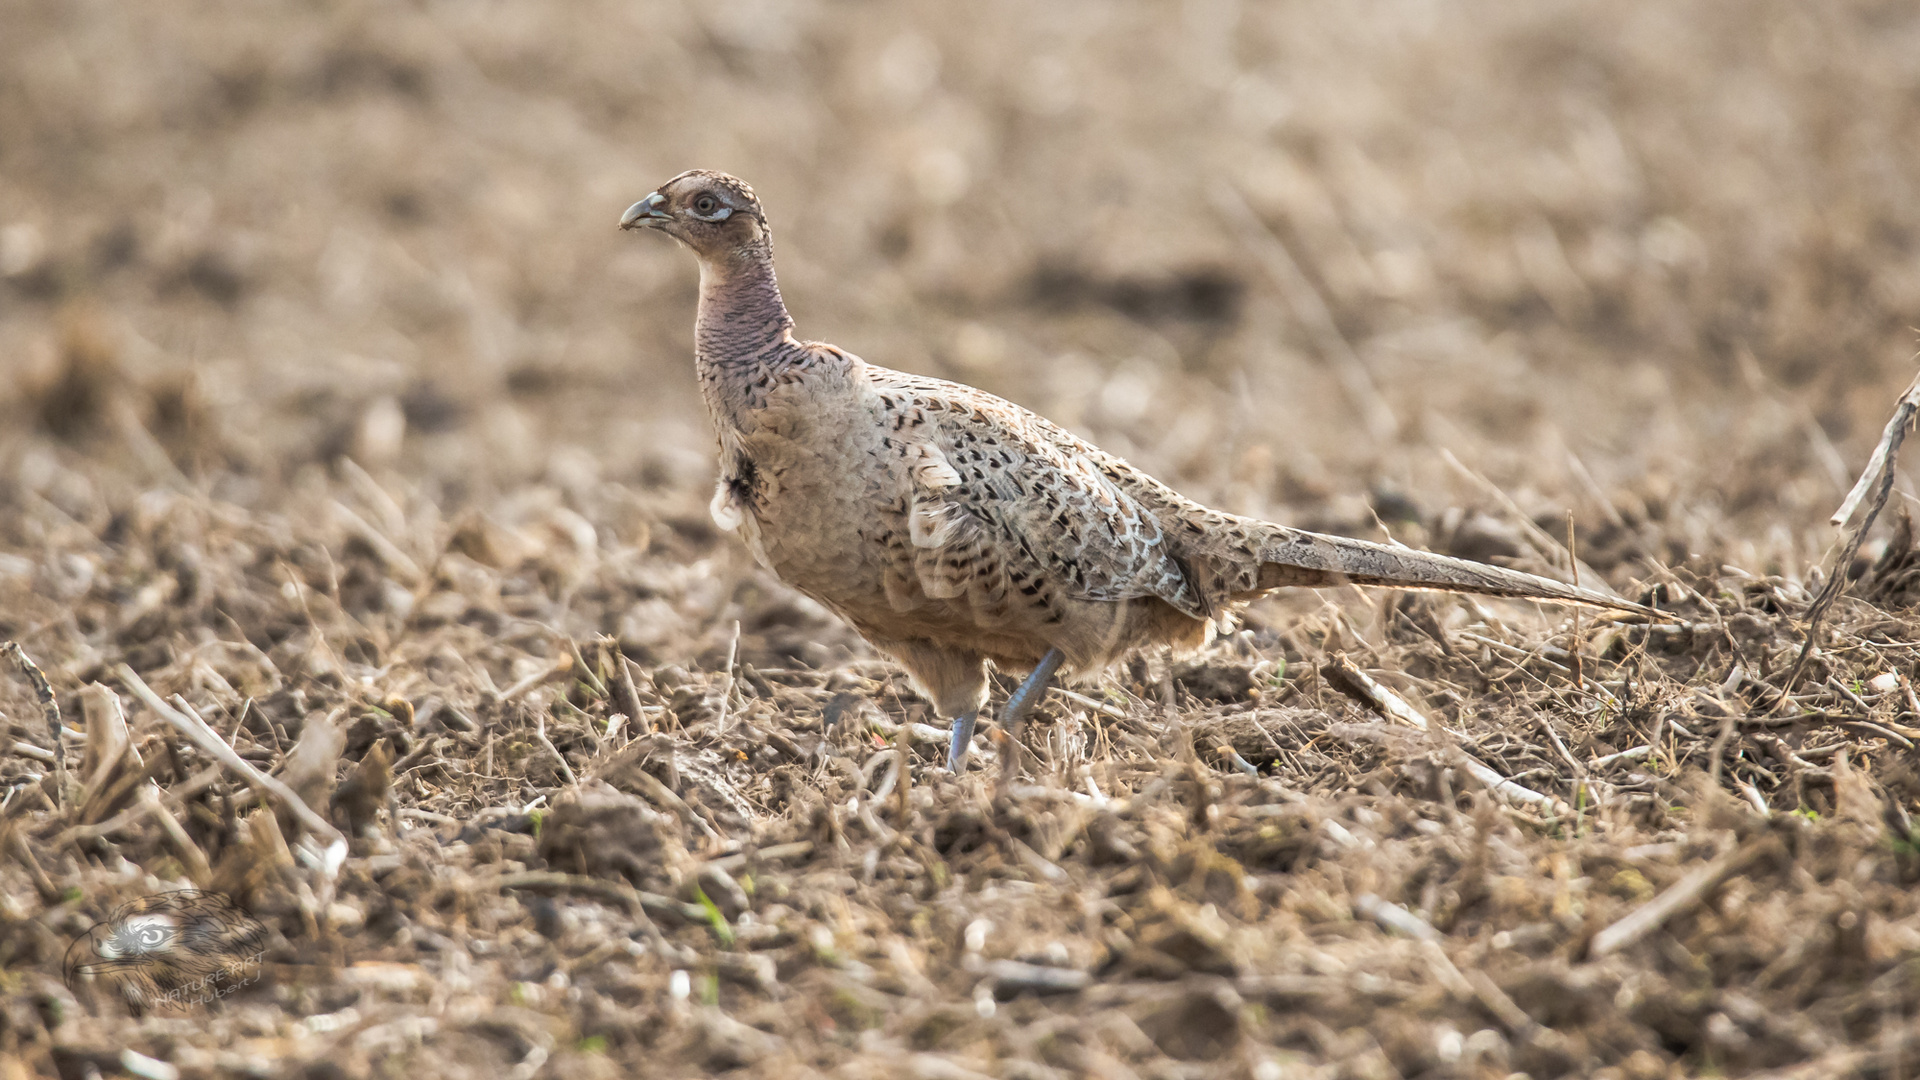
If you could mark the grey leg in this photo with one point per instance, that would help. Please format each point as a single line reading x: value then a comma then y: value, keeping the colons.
x: 1018, y: 705
x: 962, y: 739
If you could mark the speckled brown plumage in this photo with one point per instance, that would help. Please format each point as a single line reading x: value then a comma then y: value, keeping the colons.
x: 952, y: 527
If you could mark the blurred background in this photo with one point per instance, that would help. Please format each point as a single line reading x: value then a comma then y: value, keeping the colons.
x: 1655, y: 263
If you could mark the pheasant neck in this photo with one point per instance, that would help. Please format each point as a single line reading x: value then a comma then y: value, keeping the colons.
x: 743, y: 335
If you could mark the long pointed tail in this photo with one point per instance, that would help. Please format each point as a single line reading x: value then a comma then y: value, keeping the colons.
x: 1296, y: 557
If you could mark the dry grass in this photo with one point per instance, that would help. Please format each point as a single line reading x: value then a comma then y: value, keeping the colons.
x: 334, y: 405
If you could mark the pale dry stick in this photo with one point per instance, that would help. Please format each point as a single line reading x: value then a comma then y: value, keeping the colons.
x: 1097, y: 706
x: 1477, y: 984
x: 1865, y: 727
x: 1573, y: 642
x: 653, y: 789
x: 638, y: 717
x: 1881, y: 460
x: 1880, y: 467
x: 726, y: 693
x: 540, y: 733
x: 176, y: 799
x: 210, y: 743
x: 1679, y: 897
x: 1634, y: 754
x: 903, y: 745
x: 319, y: 640
x: 1355, y: 377
x: 199, y: 871
x: 1542, y: 539
x: 1538, y: 655
x: 1586, y: 480
x: 1036, y: 862
x: 375, y: 495
x: 1719, y: 749
x: 1394, y: 917
x: 50, y: 894
x: 25, y: 749
x: 239, y: 720
x: 587, y: 673
x: 49, y: 711
x: 1580, y: 777
x: 922, y: 733
x: 1011, y: 977
x: 887, y: 758
x: 1357, y: 683
x: 555, y: 667
x: 1653, y: 738
x: 108, y: 742
x: 774, y: 853
x: 1384, y: 701
x: 396, y: 560
x: 1841, y: 689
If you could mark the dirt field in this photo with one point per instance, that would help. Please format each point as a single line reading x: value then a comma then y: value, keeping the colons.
x: 335, y: 410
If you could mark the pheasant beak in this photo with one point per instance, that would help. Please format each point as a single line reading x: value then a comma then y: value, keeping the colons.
x: 647, y: 213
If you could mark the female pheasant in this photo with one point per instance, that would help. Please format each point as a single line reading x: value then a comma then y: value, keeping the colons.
x: 952, y: 527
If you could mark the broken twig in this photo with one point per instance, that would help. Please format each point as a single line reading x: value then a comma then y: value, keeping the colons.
x: 49, y: 709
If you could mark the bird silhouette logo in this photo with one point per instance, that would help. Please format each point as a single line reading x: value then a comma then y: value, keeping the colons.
x: 170, y: 951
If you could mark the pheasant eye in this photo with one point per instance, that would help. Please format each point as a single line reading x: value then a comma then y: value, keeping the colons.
x: 705, y: 204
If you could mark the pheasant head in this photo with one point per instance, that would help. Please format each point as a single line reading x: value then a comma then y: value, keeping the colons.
x: 712, y: 213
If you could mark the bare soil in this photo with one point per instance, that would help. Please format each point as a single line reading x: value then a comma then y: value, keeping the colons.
x: 334, y: 410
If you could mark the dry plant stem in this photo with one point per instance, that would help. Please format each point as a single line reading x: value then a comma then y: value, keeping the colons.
x: 586, y: 671
x: 1394, y: 917
x: 540, y: 733
x: 174, y: 799
x: 1719, y: 751
x: 213, y: 746
x: 1356, y: 379
x: 1881, y: 460
x: 1543, y: 540
x: 1592, y: 486
x: 726, y: 692
x: 1680, y: 897
x: 662, y: 795
x: 1344, y: 676
x: 1634, y: 754
x: 637, y: 714
x: 49, y: 710
x: 16, y: 841
x: 1573, y: 643
x: 1879, y: 465
x: 1350, y: 680
x: 199, y: 871
x: 903, y: 746
x: 108, y: 743
x: 795, y: 850
x: 1083, y: 700
x: 520, y: 688
x: 28, y: 750
x: 1559, y: 746
x: 1010, y: 977
x: 396, y: 560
